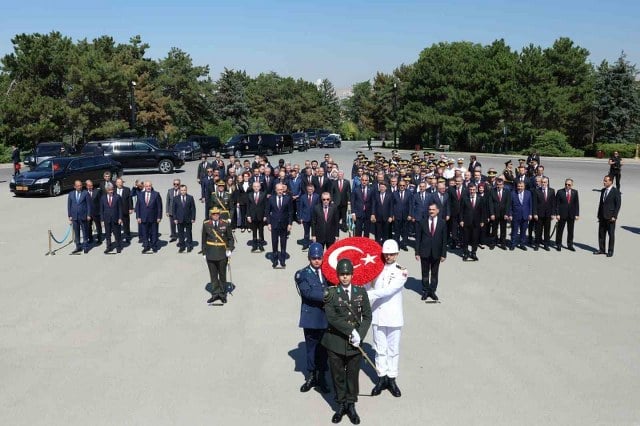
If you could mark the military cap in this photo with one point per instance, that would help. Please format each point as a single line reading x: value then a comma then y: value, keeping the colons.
x: 393, y: 166
x: 423, y: 163
x: 450, y: 161
x: 214, y: 210
x: 442, y: 180
x: 492, y: 172
x: 442, y: 164
x: 407, y: 178
x: 358, y: 152
x: 220, y: 182
x: 522, y: 160
x: 460, y: 160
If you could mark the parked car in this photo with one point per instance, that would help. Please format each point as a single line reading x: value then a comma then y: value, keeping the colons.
x: 300, y: 141
x: 45, y: 150
x: 133, y: 154
x: 312, y: 135
x: 191, y: 150
x: 56, y: 175
x: 332, y: 141
x: 208, y: 144
x: 322, y: 133
x: 259, y: 143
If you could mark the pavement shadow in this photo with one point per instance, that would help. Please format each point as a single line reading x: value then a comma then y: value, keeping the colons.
x: 367, y: 368
x: 585, y: 247
x: 414, y: 284
x: 299, y: 356
x: 633, y: 229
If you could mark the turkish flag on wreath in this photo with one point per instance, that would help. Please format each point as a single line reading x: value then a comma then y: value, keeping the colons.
x: 364, y: 253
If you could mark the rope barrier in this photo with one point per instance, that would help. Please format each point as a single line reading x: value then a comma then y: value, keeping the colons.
x: 51, y: 237
x: 63, y: 238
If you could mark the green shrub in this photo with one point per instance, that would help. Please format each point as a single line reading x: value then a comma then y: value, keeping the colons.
x: 554, y: 144
x: 348, y: 131
x: 5, y: 154
x: 626, y: 150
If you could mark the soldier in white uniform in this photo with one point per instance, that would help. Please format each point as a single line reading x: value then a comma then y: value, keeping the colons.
x: 385, y: 296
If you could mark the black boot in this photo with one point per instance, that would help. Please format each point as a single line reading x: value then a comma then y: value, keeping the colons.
x: 352, y: 414
x: 393, y: 387
x: 321, y: 382
x: 380, y: 386
x: 309, y: 383
x: 341, y: 411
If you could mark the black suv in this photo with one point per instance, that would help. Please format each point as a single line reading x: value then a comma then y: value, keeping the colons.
x: 209, y: 144
x: 134, y: 154
x: 300, y: 141
x: 45, y: 150
x: 258, y: 143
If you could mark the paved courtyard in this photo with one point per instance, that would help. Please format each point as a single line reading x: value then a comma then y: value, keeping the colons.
x: 520, y: 338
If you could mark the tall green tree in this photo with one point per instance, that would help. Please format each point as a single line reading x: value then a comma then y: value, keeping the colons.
x: 359, y: 106
x: 329, y: 104
x: 230, y: 99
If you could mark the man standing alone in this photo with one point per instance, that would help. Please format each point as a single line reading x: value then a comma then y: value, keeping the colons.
x: 608, y: 210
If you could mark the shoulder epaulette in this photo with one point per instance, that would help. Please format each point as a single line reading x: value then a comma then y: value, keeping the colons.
x: 400, y: 267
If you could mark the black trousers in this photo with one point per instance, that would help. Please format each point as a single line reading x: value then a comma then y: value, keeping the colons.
x: 383, y: 230
x: 606, y: 227
x: 616, y: 177
x: 306, y: 226
x: 362, y: 228
x: 95, y: 220
x: 279, y: 240
x: 499, y: 224
x: 257, y: 227
x: 115, y: 229
x: 454, y: 232
x: 471, y: 237
x: 126, y: 225
x: 240, y: 216
x: 184, y: 234
x: 149, y: 235
x: 173, y: 228
x: 543, y: 230
x: 430, y: 267
x: 401, y: 232
x: 218, y: 276
x: 570, y: 225
x: 345, y: 370
x: 342, y: 216
x: 316, y: 353
x: 81, y: 226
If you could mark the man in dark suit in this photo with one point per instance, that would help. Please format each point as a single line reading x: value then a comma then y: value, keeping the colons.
x: 207, y: 185
x: 95, y: 194
x: 341, y: 196
x: 15, y: 159
x: 201, y: 173
x: 256, y: 215
x: 568, y: 206
x: 311, y: 286
x: 520, y: 213
x: 325, y: 221
x: 172, y: 193
x: 472, y: 220
x: 608, y: 210
x: 268, y: 182
x: 149, y: 215
x: 361, y: 208
x: 402, y: 201
x: 306, y: 206
x: 545, y: 210
x: 499, y: 204
x: 111, y: 216
x: 79, y: 213
x: 279, y: 214
x: 127, y: 208
x: 456, y: 194
x: 382, y: 213
x: 106, y: 178
x: 184, y: 216
x: 431, y: 250
x: 473, y: 164
x: 321, y: 183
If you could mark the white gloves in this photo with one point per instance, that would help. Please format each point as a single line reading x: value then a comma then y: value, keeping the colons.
x: 355, y: 338
x: 228, y: 253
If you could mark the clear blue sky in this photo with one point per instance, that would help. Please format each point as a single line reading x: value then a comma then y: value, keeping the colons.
x: 344, y: 41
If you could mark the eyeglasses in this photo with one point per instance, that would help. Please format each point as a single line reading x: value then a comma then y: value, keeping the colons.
x: 326, y: 199
x: 567, y: 184
x: 176, y: 184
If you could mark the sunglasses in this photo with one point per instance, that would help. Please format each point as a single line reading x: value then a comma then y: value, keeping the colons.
x: 567, y: 184
x: 326, y: 199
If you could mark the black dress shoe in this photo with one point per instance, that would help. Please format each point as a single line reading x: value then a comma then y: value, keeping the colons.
x: 86, y: 251
x: 535, y: 248
x: 546, y: 248
x: 155, y: 250
x: 610, y: 254
x: 261, y: 248
x: 145, y: 250
x: 480, y: 246
x: 337, y: 416
x: 118, y: 250
x: 309, y: 383
x: 404, y: 248
x: 465, y: 257
x: 425, y: 294
x: 598, y: 252
x: 512, y: 248
x: 491, y: 247
x: 172, y: 239
x: 559, y: 247
x: 570, y: 248
x: 522, y: 247
x: 223, y: 298
x: 190, y: 249
x: 213, y: 299
x: 380, y: 386
x: 474, y: 257
x: 274, y: 265
x: 393, y: 387
x: 503, y: 247
x: 283, y: 265
x: 434, y: 297
x: 352, y: 413
x: 181, y: 250
x: 108, y: 250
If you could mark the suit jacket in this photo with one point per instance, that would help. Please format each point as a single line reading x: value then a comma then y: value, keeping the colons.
x: 427, y: 245
x: 153, y: 211
x: 312, y: 294
x: 402, y: 208
x: 542, y: 207
x: 171, y: 193
x: 341, y: 198
x: 444, y: 206
x: 183, y: 212
x: 382, y: 210
x: 268, y: 184
x: 473, y: 215
x: 521, y: 211
x: 609, y: 207
x: 324, y: 230
x: 257, y: 212
x: 360, y: 205
x: 202, y: 169
x: 279, y: 218
x: 566, y: 209
x: 305, y: 209
x: 295, y: 185
x: 111, y: 213
x: 500, y: 206
x: 95, y: 201
x: 127, y: 200
x: 325, y: 187
x: 455, y: 202
x: 79, y: 209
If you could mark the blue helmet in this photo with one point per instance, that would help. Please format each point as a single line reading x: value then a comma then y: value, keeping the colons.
x: 315, y: 250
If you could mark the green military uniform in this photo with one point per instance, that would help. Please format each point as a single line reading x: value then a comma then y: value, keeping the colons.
x: 216, y: 240
x: 220, y: 199
x: 345, y: 314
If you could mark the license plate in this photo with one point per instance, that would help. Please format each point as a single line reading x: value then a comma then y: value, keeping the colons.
x: 22, y: 188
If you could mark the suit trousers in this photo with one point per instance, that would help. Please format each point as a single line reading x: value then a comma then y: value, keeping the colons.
x: 386, y: 342
x: 279, y: 240
x: 184, y: 234
x: 345, y: 371
x: 342, y: 216
x: 606, y: 227
x: 218, y: 276
x: 257, y: 228
x: 401, y: 232
x: 95, y: 220
x: 499, y: 224
x: 81, y: 226
x: 306, y: 226
x: 149, y: 234
x: 126, y: 225
x: 362, y: 228
x: 519, y: 231
x: 115, y: 229
x: 471, y: 237
x: 570, y: 225
x: 173, y: 228
x: 382, y: 231
x: 430, y: 267
x: 316, y: 353
x: 543, y: 230
x: 454, y: 232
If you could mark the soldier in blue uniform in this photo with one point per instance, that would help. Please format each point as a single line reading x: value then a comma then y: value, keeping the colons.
x: 311, y: 286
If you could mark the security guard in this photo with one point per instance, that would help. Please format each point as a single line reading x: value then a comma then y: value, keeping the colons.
x: 311, y: 286
x: 217, y: 245
x: 349, y: 316
x: 385, y: 296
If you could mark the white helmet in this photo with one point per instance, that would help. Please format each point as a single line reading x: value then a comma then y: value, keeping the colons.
x: 390, y: 247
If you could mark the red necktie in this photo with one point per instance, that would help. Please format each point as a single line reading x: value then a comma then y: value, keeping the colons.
x: 326, y: 214
x: 433, y: 228
x: 340, y: 185
x: 458, y: 193
x: 473, y: 202
x: 568, y: 197
x: 545, y: 194
x: 499, y: 195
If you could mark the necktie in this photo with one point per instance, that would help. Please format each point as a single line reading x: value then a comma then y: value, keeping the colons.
x: 499, y: 195
x: 545, y: 194
x: 279, y: 203
x: 77, y: 196
x: 255, y: 197
x: 215, y: 224
x: 433, y: 227
x: 365, y: 193
x: 183, y: 200
x: 458, y: 193
x: 382, y: 198
x: 606, y: 194
x: 309, y: 199
x: 319, y: 275
x: 109, y: 200
x: 91, y: 193
x: 320, y: 182
x: 473, y: 202
x: 440, y: 195
x: 401, y: 195
x: 147, y: 197
x: 521, y: 197
x: 568, y: 197
x: 340, y: 185
x: 175, y: 193
x: 326, y: 214
x: 346, y: 293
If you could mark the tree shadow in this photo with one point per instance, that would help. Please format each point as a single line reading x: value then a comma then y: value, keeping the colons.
x: 633, y: 229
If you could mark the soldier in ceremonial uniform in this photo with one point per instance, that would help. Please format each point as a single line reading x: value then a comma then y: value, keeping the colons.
x: 217, y: 245
x: 311, y: 286
x: 220, y: 199
x: 349, y: 317
x: 385, y: 296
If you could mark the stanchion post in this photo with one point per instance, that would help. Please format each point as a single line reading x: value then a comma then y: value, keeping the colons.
x: 49, y: 237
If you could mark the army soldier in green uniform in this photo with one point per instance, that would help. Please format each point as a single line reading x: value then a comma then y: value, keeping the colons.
x: 349, y: 317
x: 220, y: 199
x: 217, y: 244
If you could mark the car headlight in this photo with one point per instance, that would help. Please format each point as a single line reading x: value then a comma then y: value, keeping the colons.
x: 42, y: 180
